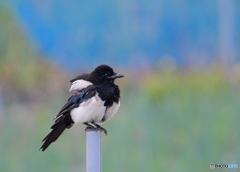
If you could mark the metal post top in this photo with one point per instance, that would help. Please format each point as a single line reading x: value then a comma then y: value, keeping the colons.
x: 94, y: 150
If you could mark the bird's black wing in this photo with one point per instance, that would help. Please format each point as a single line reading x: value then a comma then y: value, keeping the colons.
x: 63, y: 120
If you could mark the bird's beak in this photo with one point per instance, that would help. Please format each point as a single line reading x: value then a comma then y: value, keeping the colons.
x: 115, y: 76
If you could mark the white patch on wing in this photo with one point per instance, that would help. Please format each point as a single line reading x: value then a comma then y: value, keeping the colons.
x: 79, y: 84
x: 91, y: 110
x: 111, y: 111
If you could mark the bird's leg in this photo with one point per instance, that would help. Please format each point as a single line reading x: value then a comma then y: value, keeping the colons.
x: 90, y: 127
x: 100, y: 128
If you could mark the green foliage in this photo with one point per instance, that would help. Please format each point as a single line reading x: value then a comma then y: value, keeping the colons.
x: 210, y: 81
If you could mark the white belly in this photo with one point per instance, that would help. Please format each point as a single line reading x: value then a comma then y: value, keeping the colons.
x: 111, y: 111
x: 91, y: 110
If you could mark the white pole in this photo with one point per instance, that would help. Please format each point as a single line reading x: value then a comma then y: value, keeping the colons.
x: 94, y: 151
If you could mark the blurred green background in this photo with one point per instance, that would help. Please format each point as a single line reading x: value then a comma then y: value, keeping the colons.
x: 173, y: 116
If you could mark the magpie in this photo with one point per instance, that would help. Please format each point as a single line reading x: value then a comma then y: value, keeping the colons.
x: 95, y: 100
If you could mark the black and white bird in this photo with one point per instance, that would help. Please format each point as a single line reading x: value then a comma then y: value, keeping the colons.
x: 95, y: 100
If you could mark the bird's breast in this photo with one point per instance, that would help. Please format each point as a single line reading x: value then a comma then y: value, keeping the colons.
x: 110, y: 111
x: 91, y: 110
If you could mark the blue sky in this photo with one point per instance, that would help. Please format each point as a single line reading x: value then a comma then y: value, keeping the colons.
x: 124, y: 32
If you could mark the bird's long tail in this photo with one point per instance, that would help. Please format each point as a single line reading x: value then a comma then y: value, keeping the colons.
x: 57, y: 129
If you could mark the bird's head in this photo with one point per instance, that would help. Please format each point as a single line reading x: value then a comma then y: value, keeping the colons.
x: 104, y: 74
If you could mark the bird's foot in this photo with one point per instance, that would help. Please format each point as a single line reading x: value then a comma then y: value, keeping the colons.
x: 99, y: 128
x: 91, y: 128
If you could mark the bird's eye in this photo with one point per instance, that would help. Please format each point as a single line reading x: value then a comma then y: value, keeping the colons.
x: 106, y: 74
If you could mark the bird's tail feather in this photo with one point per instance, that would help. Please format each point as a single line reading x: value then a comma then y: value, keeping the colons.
x: 57, y: 129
